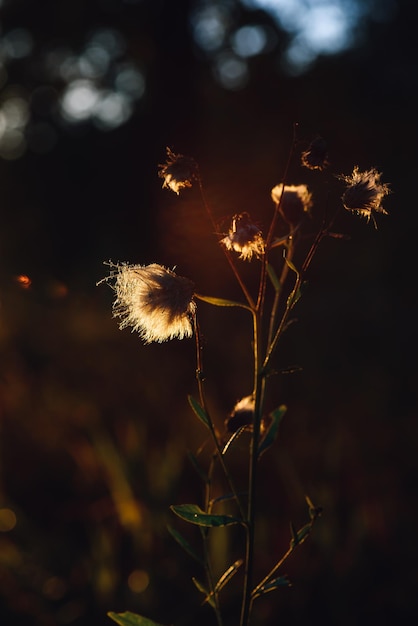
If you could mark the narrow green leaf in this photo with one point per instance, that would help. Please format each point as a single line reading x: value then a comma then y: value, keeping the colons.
x: 290, y: 264
x: 199, y: 411
x: 194, y: 514
x: 271, y: 585
x: 232, y: 438
x: 228, y: 574
x: 131, y: 619
x: 271, y: 434
x: 222, y: 302
x: 209, y: 597
x: 273, y: 277
x: 300, y: 536
x: 184, y: 544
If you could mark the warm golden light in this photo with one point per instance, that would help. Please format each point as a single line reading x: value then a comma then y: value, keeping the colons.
x: 138, y: 581
x: 24, y: 281
x: 8, y: 520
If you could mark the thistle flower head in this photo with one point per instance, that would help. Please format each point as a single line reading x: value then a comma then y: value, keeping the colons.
x: 293, y: 201
x: 316, y: 155
x: 178, y: 171
x: 244, y: 237
x: 364, y: 193
x: 153, y: 300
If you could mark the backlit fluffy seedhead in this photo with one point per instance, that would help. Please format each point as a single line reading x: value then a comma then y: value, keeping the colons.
x: 294, y: 201
x: 178, y: 171
x: 364, y: 193
x: 244, y: 237
x: 316, y: 156
x: 153, y: 300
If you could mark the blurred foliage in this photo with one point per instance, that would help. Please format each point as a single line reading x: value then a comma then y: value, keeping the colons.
x: 95, y: 426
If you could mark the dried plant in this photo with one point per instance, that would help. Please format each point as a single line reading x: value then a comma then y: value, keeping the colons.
x: 161, y: 305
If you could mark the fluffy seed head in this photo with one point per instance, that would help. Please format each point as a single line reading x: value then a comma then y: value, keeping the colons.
x: 244, y: 237
x: 178, y: 171
x: 294, y: 201
x: 364, y: 193
x: 316, y: 156
x: 153, y: 300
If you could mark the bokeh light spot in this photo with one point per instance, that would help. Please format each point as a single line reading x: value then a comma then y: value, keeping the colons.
x: 130, y: 81
x: 8, y: 520
x: 24, y: 281
x: 231, y: 71
x: 112, y: 110
x: 209, y: 26
x: 249, y: 41
x: 79, y: 100
x: 138, y: 581
x: 17, y: 43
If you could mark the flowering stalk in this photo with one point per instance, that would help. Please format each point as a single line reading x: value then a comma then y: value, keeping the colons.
x: 160, y: 305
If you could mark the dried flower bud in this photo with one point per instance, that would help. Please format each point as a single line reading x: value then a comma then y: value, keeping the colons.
x: 153, y: 300
x: 242, y: 414
x: 294, y: 204
x: 364, y: 193
x: 178, y: 172
x: 244, y: 237
x: 316, y: 156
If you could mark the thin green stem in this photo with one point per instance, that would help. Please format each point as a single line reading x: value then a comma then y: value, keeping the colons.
x: 211, y: 426
x: 289, y: 251
x: 259, y: 391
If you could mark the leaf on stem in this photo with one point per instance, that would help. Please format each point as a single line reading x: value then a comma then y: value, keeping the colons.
x: 232, y: 438
x: 271, y: 433
x: 193, y: 513
x: 131, y: 619
x: 300, y: 536
x: 228, y: 574
x: 273, y: 277
x: 221, y: 301
x: 199, y: 411
x: 209, y: 597
x: 184, y: 544
x: 271, y: 585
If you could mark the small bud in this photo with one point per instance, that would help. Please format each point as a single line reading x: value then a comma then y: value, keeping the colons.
x: 364, y: 193
x: 242, y: 414
x: 316, y: 156
x: 178, y: 172
x: 293, y: 203
x: 244, y: 237
x: 153, y: 300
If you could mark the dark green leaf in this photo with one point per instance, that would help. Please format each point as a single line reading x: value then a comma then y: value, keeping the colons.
x: 184, y: 544
x: 301, y: 535
x: 290, y: 264
x: 131, y: 619
x: 273, y: 277
x: 271, y: 585
x: 271, y: 434
x: 221, y: 302
x: 199, y: 411
x: 209, y: 597
x: 194, y: 514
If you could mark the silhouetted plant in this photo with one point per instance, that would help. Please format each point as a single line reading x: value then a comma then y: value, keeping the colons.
x: 161, y: 305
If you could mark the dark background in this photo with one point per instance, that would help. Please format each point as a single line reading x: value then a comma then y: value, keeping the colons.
x: 95, y: 425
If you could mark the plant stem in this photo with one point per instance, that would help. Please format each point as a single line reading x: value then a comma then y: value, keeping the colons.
x: 200, y: 378
x: 259, y: 392
x: 226, y: 252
